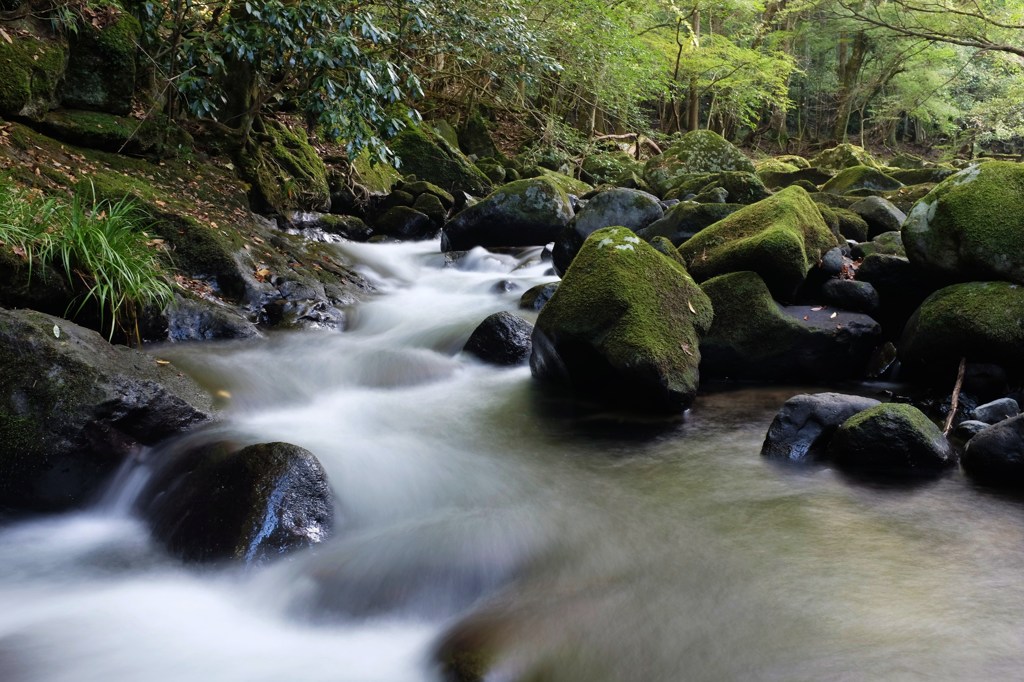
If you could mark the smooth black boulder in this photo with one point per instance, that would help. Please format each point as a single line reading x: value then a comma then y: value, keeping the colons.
x: 220, y: 502
x: 802, y: 428
x: 996, y: 411
x: 73, y: 407
x: 502, y: 339
x: 996, y: 454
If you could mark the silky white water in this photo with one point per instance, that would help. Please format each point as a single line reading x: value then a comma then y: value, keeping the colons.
x: 572, y: 545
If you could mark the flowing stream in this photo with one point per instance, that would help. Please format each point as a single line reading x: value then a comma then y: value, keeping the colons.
x: 568, y: 546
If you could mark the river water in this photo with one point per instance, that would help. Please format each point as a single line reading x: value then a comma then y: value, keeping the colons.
x: 568, y: 545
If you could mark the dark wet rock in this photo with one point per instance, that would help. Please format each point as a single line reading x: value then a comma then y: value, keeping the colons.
x: 880, y: 215
x: 418, y: 188
x: 218, y: 502
x: 535, y: 297
x: 502, y: 339
x: 528, y: 212
x: 980, y: 321
x: 191, y: 319
x: 505, y: 286
x: 754, y: 338
x: 996, y: 411
x: 629, y: 208
x: 900, y: 287
x: 968, y: 429
x: 624, y: 326
x: 686, y: 219
x: 832, y: 262
x: 996, y: 455
x: 397, y: 197
x: 403, y: 222
x: 849, y: 294
x: 802, y: 428
x: 73, y: 407
x: 347, y: 226
x: 891, y: 439
x: 431, y: 206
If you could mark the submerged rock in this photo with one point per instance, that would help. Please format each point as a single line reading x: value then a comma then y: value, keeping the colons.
x: 501, y: 339
x: 891, y: 439
x: 73, y: 407
x: 802, y: 428
x: 624, y: 326
x: 219, y: 502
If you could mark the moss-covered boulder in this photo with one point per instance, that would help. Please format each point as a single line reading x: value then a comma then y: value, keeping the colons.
x: 754, y: 338
x: 101, y: 66
x: 860, y: 179
x: 375, y: 176
x: 740, y: 187
x: 222, y: 502
x: 686, y: 219
x: 892, y: 439
x: 623, y: 327
x: 980, y: 321
x: 31, y: 69
x: 608, y: 167
x: 569, y: 184
x: 805, y: 424
x: 445, y: 130
x: 780, y: 238
x: 285, y: 171
x: 475, y: 137
x: 529, y: 212
x: 971, y: 226
x: 843, y: 156
x: 154, y: 136
x: 919, y: 176
x: 73, y: 408
x: 427, y: 155
x: 880, y: 214
x: 623, y: 207
x: 850, y: 224
x: 699, y: 151
x: 889, y: 243
x: 794, y: 160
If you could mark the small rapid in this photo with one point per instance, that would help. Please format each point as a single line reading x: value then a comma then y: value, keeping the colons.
x: 471, y: 508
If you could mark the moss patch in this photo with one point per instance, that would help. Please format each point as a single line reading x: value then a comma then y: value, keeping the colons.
x: 378, y: 177
x: 780, y: 238
x: 285, y: 171
x: 857, y: 178
x: 567, y: 183
x: 699, y: 151
x: 101, y: 68
x: 31, y: 67
x: 429, y: 157
x: 153, y: 136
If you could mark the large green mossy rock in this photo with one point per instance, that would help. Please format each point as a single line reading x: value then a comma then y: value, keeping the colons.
x: 607, y: 167
x: 73, y: 408
x: 378, y: 178
x: 891, y: 439
x: 685, y: 219
x: 428, y: 156
x: 475, y: 138
x: 971, y: 226
x: 529, y: 212
x: 843, y: 156
x: 101, y: 67
x: 567, y: 183
x: 860, y: 179
x: 624, y: 326
x: 781, y: 238
x: 285, y: 171
x: 699, y: 151
x: 754, y: 338
x: 31, y: 69
x: 980, y: 321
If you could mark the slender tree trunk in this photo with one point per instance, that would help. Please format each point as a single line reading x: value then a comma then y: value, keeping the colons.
x: 693, y: 102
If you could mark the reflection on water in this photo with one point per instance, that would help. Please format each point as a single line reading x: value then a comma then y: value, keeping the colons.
x: 564, y: 544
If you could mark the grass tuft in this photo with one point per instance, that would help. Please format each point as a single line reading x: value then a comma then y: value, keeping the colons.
x: 101, y: 247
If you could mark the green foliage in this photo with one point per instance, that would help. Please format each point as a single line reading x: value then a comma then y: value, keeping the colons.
x: 99, y: 245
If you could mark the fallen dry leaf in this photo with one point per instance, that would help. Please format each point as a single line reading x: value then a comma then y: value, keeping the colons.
x: 833, y: 316
x: 690, y: 306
